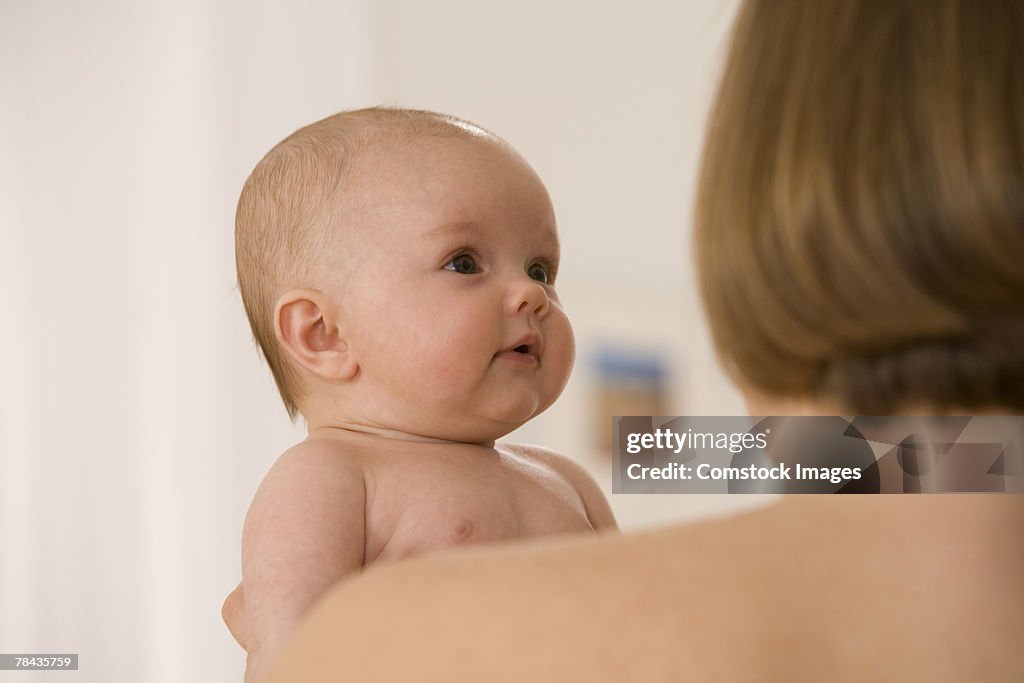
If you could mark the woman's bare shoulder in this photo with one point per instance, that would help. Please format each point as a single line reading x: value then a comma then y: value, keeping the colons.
x: 530, y: 612
x: 762, y: 595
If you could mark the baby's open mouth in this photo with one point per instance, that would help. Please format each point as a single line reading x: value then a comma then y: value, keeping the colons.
x: 525, y: 350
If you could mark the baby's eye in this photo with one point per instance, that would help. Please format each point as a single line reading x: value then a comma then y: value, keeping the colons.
x: 464, y: 264
x: 539, y: 272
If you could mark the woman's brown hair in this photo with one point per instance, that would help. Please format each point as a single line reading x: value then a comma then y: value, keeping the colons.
x: 860, y: 214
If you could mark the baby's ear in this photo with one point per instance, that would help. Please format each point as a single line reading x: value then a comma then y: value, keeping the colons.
x: 305, y: 325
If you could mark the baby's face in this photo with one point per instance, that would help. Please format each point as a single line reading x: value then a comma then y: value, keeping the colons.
x: 449, y: 300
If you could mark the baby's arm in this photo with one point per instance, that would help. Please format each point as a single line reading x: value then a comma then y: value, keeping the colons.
x: 304, y: 530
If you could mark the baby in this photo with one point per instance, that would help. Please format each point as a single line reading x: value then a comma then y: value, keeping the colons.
x: 398, y: 270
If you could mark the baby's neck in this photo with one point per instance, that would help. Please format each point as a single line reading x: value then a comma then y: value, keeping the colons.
x: 339, y: 428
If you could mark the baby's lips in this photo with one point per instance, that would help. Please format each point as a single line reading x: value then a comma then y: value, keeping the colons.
x: 529, y: 344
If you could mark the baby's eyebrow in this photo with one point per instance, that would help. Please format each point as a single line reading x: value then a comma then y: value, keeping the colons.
x: 450, y: 230
x: 463, y: 229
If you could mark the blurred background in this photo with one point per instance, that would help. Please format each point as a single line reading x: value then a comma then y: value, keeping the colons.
x: 136, y: 419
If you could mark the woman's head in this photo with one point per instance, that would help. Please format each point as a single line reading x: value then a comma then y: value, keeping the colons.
x: 860, y: 213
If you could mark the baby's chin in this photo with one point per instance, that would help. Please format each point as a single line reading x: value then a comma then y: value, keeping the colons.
x: 480, y: 424
x: 477, y: 431
x: 476, y: 434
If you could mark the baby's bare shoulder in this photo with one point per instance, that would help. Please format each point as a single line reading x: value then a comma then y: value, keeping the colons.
x: 316, y: 461
x: 598, y: 511
x: 310, y: 492
x: 540, y: 456
x: 531, y: 452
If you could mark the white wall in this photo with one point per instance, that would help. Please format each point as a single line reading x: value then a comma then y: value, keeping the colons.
x: 135, y: 419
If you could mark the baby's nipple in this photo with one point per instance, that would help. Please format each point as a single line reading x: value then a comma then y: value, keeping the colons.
x: 463, y: 531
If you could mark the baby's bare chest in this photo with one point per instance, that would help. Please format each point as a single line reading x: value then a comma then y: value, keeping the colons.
x: 415, y: 507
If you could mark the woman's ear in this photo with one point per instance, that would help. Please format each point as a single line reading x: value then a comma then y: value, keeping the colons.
x: 306, y: 326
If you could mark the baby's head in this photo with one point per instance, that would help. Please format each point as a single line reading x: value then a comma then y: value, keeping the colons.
x: 398, y: 271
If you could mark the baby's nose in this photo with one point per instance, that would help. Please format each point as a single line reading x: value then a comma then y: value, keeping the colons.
x: 528, y: 296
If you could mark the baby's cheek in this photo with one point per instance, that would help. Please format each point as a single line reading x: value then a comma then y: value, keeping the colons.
x: 560, y: 356
x: 452, y: 366
x: 566, y: 340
